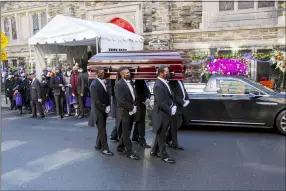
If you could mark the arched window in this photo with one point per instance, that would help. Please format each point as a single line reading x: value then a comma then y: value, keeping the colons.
x: 123, y: 24
x: 43, y: 19
x: 36, y: 26
x: 7, y: 27
x: 14, y: 28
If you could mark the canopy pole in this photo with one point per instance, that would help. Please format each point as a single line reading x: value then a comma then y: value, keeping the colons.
x: 30, y: 58
x: 97, y: 45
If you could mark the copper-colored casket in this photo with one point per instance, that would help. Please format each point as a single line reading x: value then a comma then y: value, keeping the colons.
x: 142, y: 64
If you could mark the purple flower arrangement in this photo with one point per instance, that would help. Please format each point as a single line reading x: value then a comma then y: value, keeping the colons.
x: 228, y: 67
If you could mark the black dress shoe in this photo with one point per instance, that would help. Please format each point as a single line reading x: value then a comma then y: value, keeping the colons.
x: 144, y: 145
x: 154, y: 154
x: 80, y: 117
x: 67, y: 115
x: 41, y: 117
x: 33, y: 116
x: 169, y: 160
x: 135, y: 140
x: 121, y: 150
x: 113, y: 139
x: 133, y: 157
x: 107, y: 152
x: 20, y: 113
x: 97, y: 147
x: 177, y: 147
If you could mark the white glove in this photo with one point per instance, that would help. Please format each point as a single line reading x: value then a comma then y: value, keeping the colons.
x: 69, y: 85
x: 133, y: 111
x: 107, y: 110
x: 174, y: 110
x: 63, y: 89
x: 61, y: 85
x: 147, y: 101
x: 186, y: 103
x: 40, y: 100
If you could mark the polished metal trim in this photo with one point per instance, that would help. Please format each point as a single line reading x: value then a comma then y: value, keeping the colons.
x: 266, y: 103
x: 227, y: 122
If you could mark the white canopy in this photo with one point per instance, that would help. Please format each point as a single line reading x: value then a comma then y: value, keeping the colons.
x: 71, y: 36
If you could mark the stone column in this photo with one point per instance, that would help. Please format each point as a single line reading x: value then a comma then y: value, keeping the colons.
x: 281, y: 13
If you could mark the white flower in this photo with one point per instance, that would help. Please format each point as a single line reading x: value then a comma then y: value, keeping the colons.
x: 213, y: 72
x: 228, y: 73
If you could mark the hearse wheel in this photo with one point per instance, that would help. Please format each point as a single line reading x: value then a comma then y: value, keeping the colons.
x: 281, y: 122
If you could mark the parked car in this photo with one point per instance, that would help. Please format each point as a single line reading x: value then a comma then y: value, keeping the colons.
x: 236, y: 101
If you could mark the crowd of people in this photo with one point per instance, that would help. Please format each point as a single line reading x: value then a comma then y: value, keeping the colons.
x: 127, y: 99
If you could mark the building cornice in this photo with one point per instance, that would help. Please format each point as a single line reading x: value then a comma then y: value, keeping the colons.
x: 212, y: 30
x: 23, y: 10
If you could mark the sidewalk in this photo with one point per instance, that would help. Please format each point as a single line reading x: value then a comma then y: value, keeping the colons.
x: 3, y: 101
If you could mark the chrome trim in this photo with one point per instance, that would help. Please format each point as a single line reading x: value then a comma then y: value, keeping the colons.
x: 266, y: 103
x: 227, y: 122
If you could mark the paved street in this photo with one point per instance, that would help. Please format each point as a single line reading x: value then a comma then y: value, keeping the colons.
x: 50, y: 154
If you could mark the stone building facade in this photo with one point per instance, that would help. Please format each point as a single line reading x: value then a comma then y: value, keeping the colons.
x: 192, y: 27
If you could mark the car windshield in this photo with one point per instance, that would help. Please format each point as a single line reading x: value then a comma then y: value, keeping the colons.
x: 260, y: 86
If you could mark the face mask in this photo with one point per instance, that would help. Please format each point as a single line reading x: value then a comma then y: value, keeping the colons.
x: 127, y: 76
x: 167, y: 76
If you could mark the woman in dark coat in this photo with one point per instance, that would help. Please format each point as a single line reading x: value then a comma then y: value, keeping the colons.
x: 68, y: 88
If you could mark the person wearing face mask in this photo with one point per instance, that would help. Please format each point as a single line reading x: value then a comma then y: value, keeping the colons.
x: 182, y: 101
x: 143, y: 98
x: 45, y: 88
x: 27, y: 93
x: 100, y: 107
x: 36, y: 99
x: 57, y: 84
x: 164, y: 108
x: 68, y: 86
x: 18, y: 89
x: 76, y: 83
x: 126, y: 108
x: 9, y: 85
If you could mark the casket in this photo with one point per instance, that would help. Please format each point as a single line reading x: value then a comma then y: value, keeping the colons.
x: 142, y: 64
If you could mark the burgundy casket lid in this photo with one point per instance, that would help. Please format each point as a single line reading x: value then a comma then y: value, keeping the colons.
x: 142, y: 64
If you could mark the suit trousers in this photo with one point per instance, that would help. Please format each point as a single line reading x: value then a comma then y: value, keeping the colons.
x: 159, y: 145
x: 176, y: 122
x: 125, y: 142
x: 37, y: 107
x: 101, y: 140
x: 12, y: 103
x: 79, y: 100
x: 139, y: 127
x: 59, y: 100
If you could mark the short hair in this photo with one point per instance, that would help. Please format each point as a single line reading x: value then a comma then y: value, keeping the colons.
x: 98, y: 68
x: 161, y: 69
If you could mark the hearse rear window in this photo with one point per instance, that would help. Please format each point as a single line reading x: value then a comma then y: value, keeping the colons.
x: 229, y: 86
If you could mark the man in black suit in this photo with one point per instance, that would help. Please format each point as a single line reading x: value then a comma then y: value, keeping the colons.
x: 143, y: 99
x: 126, y: 108
x: 36, y: 99
x: 27, y: 93
x: 164, y: 108
x: 57, y: 84
x: 181, y: 100
x: 100, y: 107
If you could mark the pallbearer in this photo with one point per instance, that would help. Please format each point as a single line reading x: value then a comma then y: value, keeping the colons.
x: 181, y: 100
x: 143, y: 99
x: 164, y: 108
x: 126, y: 108
x: 99, y: 110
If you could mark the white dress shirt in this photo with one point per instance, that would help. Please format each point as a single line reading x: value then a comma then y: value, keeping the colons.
x: 182, y: 88
x: 131, y: 89
x: 102, y: 83
x: 166, y: 83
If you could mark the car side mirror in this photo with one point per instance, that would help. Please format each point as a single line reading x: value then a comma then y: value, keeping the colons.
x: 254, y: 94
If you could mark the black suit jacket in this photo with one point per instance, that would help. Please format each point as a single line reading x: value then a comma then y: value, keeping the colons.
x: 78, y: 88
x: 55, y: 82
x: 124, y: 101
x: 35, y: 90
x: 142, y: 93
x: 163, y: 102
x: 178, y: 93
x: 84, y: 84
x: 99, y: 99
